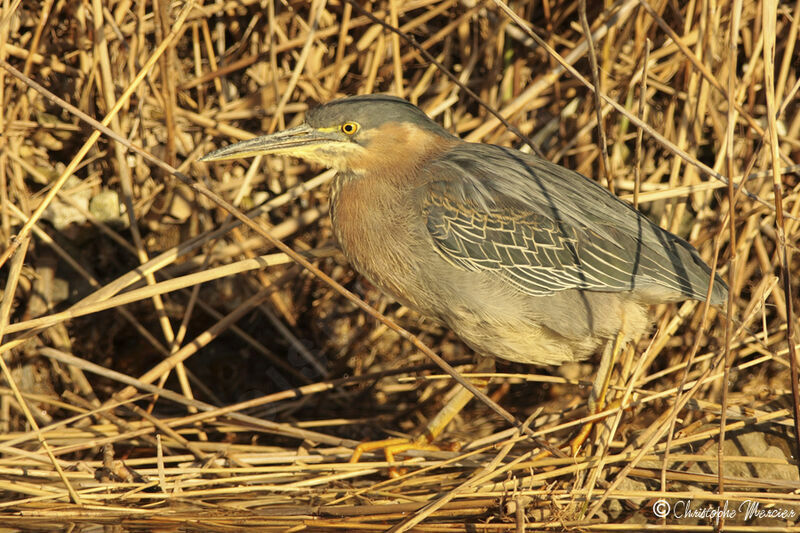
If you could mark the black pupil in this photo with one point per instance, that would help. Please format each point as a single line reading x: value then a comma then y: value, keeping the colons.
x: 348, y: 128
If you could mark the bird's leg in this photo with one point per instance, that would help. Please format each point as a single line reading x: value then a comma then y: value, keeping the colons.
x: 597, y: 397
x: 433, y: 429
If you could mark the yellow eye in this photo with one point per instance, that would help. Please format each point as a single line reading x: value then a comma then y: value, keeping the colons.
x: 349, y: 128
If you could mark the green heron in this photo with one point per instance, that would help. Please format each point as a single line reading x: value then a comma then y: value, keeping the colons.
x: 524, y: 259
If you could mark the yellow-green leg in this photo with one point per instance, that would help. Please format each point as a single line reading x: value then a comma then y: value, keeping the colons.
x: 597, y: 397
x: 433, y: 429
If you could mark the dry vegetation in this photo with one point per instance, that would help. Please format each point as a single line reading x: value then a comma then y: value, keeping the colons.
x: 166, y: 366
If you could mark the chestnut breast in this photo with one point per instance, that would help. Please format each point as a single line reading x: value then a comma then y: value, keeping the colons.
x: 377, y: 215
x: 380, y: 233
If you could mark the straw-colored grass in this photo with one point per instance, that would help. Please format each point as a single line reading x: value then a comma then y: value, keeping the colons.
x: 168, y: 365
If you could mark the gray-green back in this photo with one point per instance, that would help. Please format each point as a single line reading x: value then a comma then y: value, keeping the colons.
x: 545, y: 228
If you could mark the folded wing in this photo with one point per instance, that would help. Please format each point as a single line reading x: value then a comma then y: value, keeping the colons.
x: 544, y: 228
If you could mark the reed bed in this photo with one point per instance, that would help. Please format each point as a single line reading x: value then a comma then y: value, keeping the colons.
x: 169, y: 366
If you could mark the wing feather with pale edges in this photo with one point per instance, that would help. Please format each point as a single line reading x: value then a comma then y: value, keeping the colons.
x: 544, y: 228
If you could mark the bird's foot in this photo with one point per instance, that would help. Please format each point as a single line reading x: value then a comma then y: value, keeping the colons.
x: 392, y: 447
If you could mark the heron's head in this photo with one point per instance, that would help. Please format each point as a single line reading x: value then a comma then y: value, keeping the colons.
x: 357, y: 133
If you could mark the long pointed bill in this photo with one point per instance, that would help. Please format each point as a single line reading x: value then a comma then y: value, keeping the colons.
x: 293, y: 141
